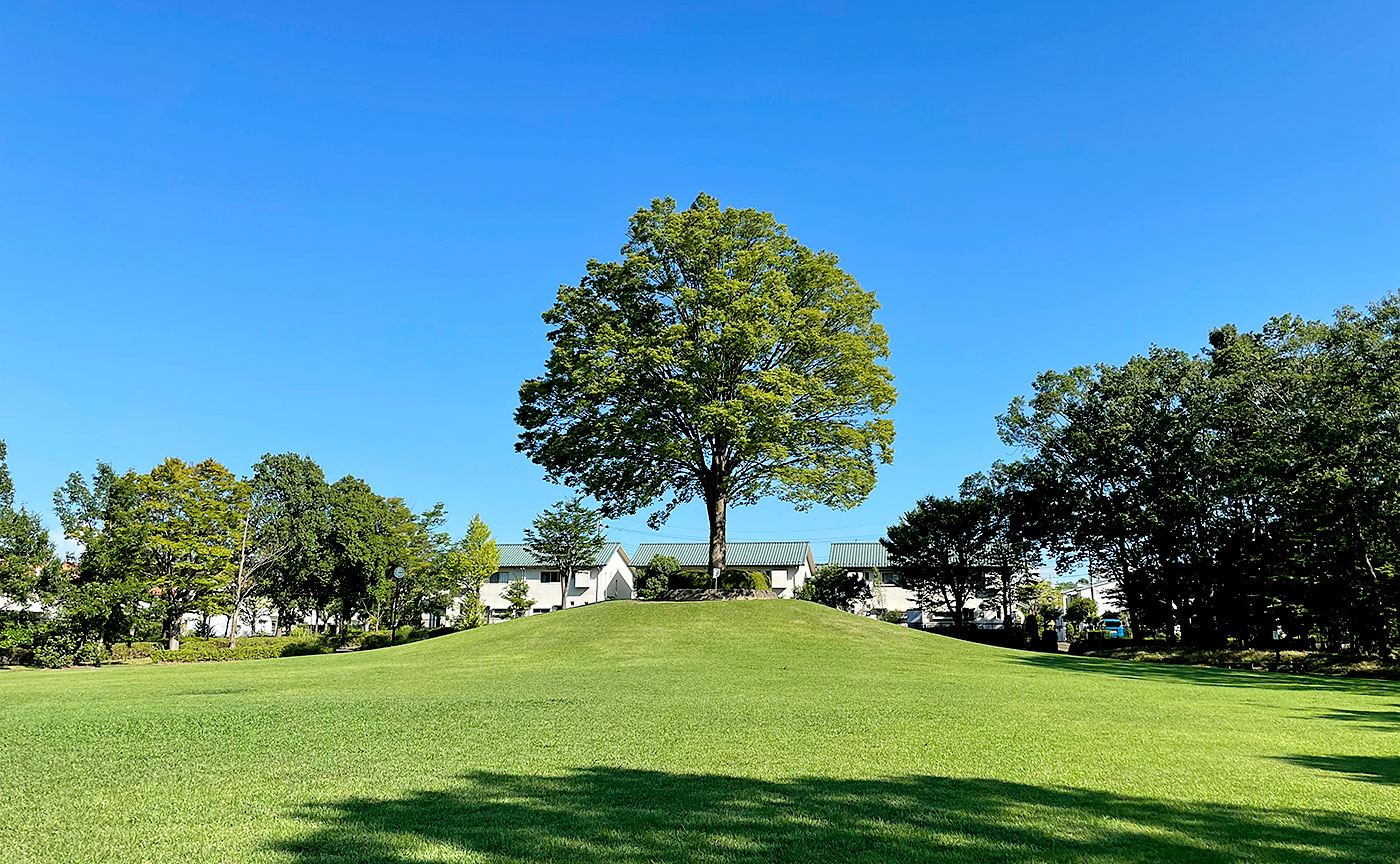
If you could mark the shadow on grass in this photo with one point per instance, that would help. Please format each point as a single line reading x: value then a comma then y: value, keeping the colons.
x: 1373, y: 769
x: 602, y: 814
x: 1381, y: 721
x: 1147, y: 670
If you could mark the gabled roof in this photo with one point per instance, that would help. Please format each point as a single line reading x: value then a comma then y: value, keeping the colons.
x: 735, y: 554
x: 858, y: 555
x: 515, y: 555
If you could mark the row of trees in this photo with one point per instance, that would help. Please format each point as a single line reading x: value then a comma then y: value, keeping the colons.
x: 194, y: 538
x: 1232, y: 494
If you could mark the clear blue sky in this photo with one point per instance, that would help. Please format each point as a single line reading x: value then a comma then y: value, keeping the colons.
x: 331, y: 228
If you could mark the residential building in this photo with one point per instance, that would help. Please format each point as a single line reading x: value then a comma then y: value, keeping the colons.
x: 871, y: 562
x: 788, y: 565
x: 608, y: 577
x: 888, y: 595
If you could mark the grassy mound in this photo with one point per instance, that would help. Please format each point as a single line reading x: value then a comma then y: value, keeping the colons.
x: 745, y: 731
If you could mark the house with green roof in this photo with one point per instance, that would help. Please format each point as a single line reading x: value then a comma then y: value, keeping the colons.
x: 608, y: 577
x: 788, y: 565
x: 872, y: 562
x: 868, y: 559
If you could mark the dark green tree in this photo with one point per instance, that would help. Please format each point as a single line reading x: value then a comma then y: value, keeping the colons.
x: 939, y: 549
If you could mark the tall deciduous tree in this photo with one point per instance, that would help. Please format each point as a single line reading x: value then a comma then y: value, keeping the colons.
x: 719, y: 359
x: 568, y: 538
x: 191, y: 516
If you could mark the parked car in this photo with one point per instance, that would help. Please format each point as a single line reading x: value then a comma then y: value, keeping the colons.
x: 1114, y: 628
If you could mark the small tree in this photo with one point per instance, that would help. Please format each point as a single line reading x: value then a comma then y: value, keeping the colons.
x: 1041, y: 600
x: 655, y: 577
x: 835, y: 587
x: 566, y: 538
x: 1081, y: 610
x: 476, y: 559
x: 517, y: 594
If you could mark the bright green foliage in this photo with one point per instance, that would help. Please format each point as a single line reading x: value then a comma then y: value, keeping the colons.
x: 473, y: 562
x: 1041, y: 600
x: 190, y: 520
x: 657, y: 576
x: 567, y: 538
x: 719, y: 359
x: 748, y: 580
x: 912, y: 748
x: 517, y: 594
x: 835, y: 587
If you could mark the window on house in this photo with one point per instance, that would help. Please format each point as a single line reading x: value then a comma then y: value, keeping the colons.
x: 549, y: 576
x: 498, y: 578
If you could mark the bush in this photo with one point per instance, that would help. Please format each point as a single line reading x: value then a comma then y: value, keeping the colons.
x: 249, y: 648
x: 752, y: 580
x: 132, y: 650
x: 689, y: 579
x: 54, y: 655
x: 894, y: 616
x: 656, y: 576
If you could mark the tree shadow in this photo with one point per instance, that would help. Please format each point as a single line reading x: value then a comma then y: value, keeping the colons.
x: 605, y: 814
x: 1147, y: 670
x: 1372, y: 769
x: 1381, y: 721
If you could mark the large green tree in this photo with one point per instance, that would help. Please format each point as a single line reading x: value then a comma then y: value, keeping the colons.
x: 191, y: 517
x: 283, y: 549
x: 720, y: 359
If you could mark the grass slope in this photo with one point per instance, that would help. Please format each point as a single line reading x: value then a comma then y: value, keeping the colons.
x: 744, y: 731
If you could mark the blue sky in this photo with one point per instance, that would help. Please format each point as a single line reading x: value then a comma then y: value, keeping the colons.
x: 240, y: 228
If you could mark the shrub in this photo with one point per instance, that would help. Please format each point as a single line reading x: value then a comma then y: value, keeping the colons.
x: 656, y: 576
x: 894, y: 616
x: 689, y: 579
x: 132, y: 650
x: 203, y: 629
x: 53, y: 655
x: 753, y: 580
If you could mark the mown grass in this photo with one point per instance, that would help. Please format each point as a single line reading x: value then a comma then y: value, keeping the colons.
x: 745, y: 731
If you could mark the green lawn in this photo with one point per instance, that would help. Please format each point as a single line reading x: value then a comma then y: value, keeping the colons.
x: 749, y: 731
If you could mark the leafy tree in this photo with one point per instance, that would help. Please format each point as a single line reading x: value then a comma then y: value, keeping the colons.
x: 476, y: 559
x: 719, y: 359
x: 284, y: 553
x: 567, y: 538
x: 1042, y: 602
x: 654, y: 578
x: 517, y: 594
x: 938, y: 548
x: 107, y: 593
x: 26, y: 552
x: 1081, y: 610
x: 835, y: 587
x: 190, y: 516
x: 359, y: 543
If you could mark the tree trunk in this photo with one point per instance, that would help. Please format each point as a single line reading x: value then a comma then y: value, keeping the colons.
x: 717, y: 507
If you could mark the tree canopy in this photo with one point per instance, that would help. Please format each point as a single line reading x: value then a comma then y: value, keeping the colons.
x: 719, y: 359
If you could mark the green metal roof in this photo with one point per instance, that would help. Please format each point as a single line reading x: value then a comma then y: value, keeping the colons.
x: 735, y: 554
x: 515, y: 555
x: 858, y: 555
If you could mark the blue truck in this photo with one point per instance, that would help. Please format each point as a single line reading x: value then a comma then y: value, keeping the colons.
x: 1114, y: 628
